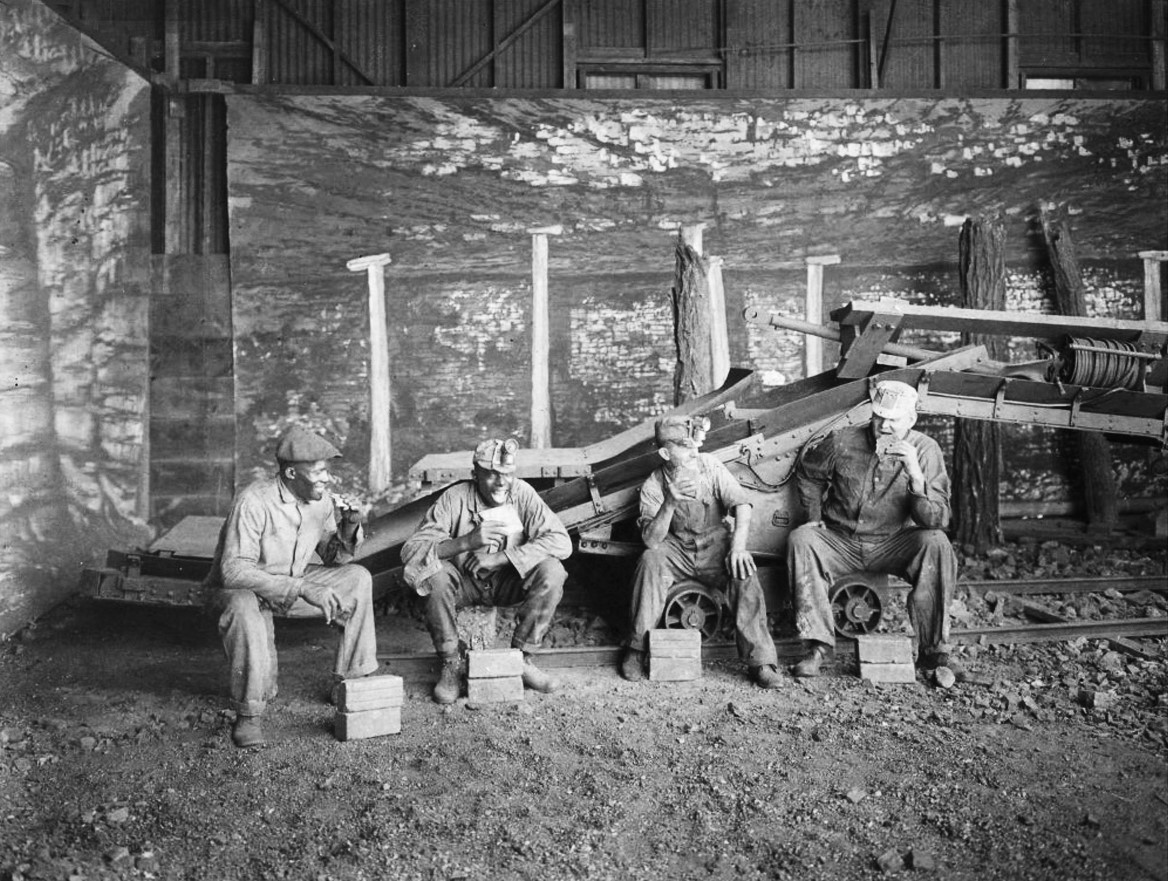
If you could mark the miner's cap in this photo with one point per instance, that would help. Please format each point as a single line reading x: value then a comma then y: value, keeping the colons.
x: 892, y: 399
x: 301, y: 445
x: 676, y: 429
x: 497, y: 455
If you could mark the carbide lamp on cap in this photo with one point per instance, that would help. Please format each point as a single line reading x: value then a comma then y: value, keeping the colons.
x: 678, y: 429
x: 894, y: 400
x: 497, y: 455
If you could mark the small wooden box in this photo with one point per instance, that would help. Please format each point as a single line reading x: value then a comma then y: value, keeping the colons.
x: 887, y: 673
x: 497, y: 690
x: 884, y: 649
x: 493, y: 663
x: 675, y: 655
x: 367, y: 723
x: 369, y: 693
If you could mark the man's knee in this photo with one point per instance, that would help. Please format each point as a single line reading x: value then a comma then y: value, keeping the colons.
x: 549, y: 572
x: 357, y: 580
x: 653, y: 560
x: 441, y: 584
x: 804, y: 538
x: 237, y: 606
x: 935, y: 541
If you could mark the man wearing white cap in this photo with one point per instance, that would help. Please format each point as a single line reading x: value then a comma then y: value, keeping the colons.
x: 683, y: 506
x: 261, y: 566
x: 877, y: 499
x: 489, y: 541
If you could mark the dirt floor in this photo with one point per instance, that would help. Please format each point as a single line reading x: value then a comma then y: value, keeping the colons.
x: 116, y: 761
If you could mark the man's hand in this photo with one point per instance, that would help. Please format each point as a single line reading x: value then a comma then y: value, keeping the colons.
x: 740, y: 564
x: 489, y: 535
x: 906, y: 454
x: 485, y: 562
x: 682, y: 487
x: 350, y: 516
x: 325, y: 599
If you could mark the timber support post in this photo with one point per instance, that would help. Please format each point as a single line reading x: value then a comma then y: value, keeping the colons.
x: 541, y: 408
x: 380, y: 460
x: 813, y: 311
x: 693, y: 318
x: 1098, y: 477
x: 977, y: 448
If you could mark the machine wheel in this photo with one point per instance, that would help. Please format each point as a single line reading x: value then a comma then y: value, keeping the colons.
x: 691, y: 606
x: 855, y: 606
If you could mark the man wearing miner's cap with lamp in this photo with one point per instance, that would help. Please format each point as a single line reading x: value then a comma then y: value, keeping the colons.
x: 489, y: 541
x: 877, y: 499
x: 683, y: 506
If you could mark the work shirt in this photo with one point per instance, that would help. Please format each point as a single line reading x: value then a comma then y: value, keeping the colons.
x: 844, y: 483
x: 700, y: 524
x: 458, y: 511
x: 268, y: 540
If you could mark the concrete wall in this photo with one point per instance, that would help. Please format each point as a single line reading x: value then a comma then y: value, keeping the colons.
x: 74, y: 291
x: 451, y: 185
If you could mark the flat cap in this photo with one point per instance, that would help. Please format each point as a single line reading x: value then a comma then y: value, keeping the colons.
x: 893, y: 399
x: 301, y: 445
x: 497, y: 455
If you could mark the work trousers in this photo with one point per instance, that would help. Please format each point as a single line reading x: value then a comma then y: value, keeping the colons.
x: 537, y: 597
x: 817, y: 555
x: 245, y: 626
x: 660, y: 568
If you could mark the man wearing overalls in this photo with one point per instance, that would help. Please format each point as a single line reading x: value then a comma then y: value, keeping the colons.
x: 683, y: 508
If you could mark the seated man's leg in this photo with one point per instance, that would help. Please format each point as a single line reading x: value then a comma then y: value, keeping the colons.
x: 538, y: 595
x: 357, y: 652
x: 249, y: 643
x: 926, y: 560
x: 816, y: 556
x: 445, y: 593
x: 756, y: 646
x: 658, y: 569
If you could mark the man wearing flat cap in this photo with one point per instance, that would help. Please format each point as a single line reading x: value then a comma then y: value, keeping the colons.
x: 683, y: 506
x: 489, y: 541
x: 262, y: 566
x: 877, y: 499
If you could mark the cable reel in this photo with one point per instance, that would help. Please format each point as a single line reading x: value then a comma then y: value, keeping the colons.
x: 1101, y: 363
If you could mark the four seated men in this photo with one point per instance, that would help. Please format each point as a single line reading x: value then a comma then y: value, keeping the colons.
x: 876, y: 498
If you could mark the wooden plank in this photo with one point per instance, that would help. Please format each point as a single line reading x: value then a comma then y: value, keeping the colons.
x: 1068, y: 585
x: 1007, y: 323
x: 1128, y: 627
x: 861, y: 353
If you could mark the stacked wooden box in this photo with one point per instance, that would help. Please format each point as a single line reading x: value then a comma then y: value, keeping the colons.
x: 675, y: 655
x: 494, y: 676
x: 368, y: 707
x: 885, y: 658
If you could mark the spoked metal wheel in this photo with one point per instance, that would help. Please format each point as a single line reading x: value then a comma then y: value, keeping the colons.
x: 855, y: 606
x: 693, y: 607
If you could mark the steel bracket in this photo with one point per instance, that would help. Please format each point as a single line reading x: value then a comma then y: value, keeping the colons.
x: 594, y: 492
x: 1076, y: 406
x: 1000, y: 398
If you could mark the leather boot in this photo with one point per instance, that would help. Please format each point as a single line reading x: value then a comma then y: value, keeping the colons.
x: 767, y: 676
x: 247, y: 732
x: 449, y: 682
x: 535, y: 679
x: 632, y: 665
x: 810, y: 665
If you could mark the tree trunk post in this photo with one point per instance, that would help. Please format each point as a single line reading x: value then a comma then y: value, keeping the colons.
x: 692, y: 335
x: 1098, y: 477
x: 977, y: 448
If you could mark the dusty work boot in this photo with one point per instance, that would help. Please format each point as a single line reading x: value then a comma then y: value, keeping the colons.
x: 535, y: 679
x: 632, y: 665
x: 766, y: 676
x: 449, y: 682
x: 247, y: 732
x: 810, y: 665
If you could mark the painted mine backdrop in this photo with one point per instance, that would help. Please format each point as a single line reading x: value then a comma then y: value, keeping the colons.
x: 74, y: 297
x: 450, y: 187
